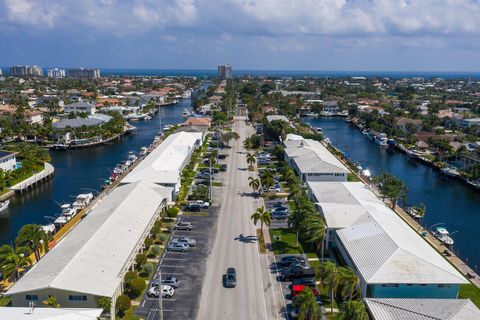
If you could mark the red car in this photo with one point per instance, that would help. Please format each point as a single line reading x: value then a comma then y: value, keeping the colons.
x: 296, y: 289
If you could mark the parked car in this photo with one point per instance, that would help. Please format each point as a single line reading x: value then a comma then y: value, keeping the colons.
x: 201, y: 203
x: 279, y: 204
x: 223, y: 167
x: 295, y: 310
x: 279, y: 209
x: 190, y: 241
x: 288, y: 260
x: 192, y: 207
x: 167, y: 292
x: 183, y: 226
x: 171, y: 281
x: 231, y: 278
x: 309, y: 282
x: 279, y: 215
x: 297, y: 272
x: 178, y: 247
x: 221, y: 156
x: 297, y: 289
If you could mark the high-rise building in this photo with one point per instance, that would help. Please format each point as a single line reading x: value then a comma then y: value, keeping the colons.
x: 83, y: 73
x: 56, y: 73
x: 20, y: 71
x: 225, y: 72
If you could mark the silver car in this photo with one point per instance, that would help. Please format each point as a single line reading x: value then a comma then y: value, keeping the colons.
x: 178, y: 247
x: 190, y: 241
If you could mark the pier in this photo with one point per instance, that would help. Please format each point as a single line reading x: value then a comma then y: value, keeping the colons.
x: 37, y: 178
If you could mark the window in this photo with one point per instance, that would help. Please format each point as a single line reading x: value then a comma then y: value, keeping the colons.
x: 77, y: 298
x: 390, y: 285
x: 443, y: 285
x: 31, y: 297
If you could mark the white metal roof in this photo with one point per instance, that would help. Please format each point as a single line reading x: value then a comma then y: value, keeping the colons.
x: 422, y: 309
x: 276, y: 117
x: 92, y: 256
x: 165, y: 163
x: 49, y: 313
x: 311, y: 156
x: 382, y: 246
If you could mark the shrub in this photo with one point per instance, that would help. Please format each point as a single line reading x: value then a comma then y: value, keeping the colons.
x: 155, y: 230
x: 170, y: 226
x: 148, y: 242
x: 157, y: 224
x: 136, y: 286
x: 122, y: 304
x: 130, y: 275
x: 148, y: 267
x: 140, y: 259
x: 156, y: 248
x: 172, y: 212
x: 104, y: 303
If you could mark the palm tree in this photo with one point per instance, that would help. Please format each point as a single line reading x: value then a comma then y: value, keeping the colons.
x: 307, y: 305
x: 350, y: 283
x: 315, y: 231
x: 299, y: 214
x: 254, y: 184
x: 31, y: 236
x: 261, y: 215
x: 420, y: 212
x: 354, y: 310
x: 12, y: 260
x: 251, y: 160
x: 330, y: 276
x: 268, y: 182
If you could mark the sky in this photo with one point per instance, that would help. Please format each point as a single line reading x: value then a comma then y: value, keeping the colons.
x: 338, y: 35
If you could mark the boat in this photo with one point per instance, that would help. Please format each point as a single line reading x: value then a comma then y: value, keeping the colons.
x: 186, y: 113
x: 4, y: 205
x: 132, y: 157
x: 143, y: 151
x: 442, y: 234
x: 68, y: 211
x: 82, y: 201
x: 381, y: 139
x: 366, y: 173
x: 391, y: 142
x: 327, y: 141
x: 474, y: 183
x: 413, y: 212
x: 450, y: 171
x: 319, y: 130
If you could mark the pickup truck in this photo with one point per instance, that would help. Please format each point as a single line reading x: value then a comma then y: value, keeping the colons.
x: 202, y: 204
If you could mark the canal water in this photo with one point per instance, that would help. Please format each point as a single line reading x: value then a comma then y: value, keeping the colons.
x: 79, y: 171
x: 446, y: 200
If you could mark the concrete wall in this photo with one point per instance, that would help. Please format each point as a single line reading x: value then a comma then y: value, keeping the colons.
x: 433, y: 291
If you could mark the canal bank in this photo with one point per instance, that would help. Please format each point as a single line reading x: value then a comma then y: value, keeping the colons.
x: 78, y: 171
x: 447, y: 201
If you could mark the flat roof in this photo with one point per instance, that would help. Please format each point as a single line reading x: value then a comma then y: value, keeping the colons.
x: 311, y: 156
x: 91, y: 258
x: 92, y: 120
x: 164, y: 164
x: 276, y: 117
x: 422, y: 309
x: 5, y: 154
x: 45, y: 313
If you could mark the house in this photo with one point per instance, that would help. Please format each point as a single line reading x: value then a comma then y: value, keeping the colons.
x: 80, y: 107
x: 19, y: 313
x: 406, y: 124
x: 276, y: 117
x: 390, y: 258
x: 468, y: 123
x: 422, y: 145
x: 203, y: 122
x: 330, y: 108
x: 8, y: 160
x: 312, y: 161
x: 91, y: 260
x: 29, y: 115
x: 422, y: 309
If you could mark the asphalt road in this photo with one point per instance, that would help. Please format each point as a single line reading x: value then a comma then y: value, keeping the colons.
x: 257, y: 294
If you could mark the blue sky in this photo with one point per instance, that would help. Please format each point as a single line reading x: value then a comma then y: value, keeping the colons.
x: 404, y: 35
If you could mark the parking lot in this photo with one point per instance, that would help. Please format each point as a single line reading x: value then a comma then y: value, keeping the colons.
x: 189, y: 268
x: 270, y: 205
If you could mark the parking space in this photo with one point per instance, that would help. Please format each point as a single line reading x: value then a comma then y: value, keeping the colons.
x: 280, y: 221
x: 188, y: 267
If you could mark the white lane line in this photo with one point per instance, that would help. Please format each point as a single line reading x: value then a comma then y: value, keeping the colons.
x: 174, y: 259
x: 281, y: 288
x: 171, y: 266
x: 143, y: 303
x: 169, y: 273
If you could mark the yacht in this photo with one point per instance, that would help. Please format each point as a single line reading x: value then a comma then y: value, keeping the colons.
x: 381, y: 139
x: 413, y: 212
x: 319, y: 130
x: 450, y: 171
x: 185, y: 113
x: 327, y: 141
x: 82, y: 201
x: 68, y: 211
x: 442, y: 234
x: 4, y: 205
x: 366, y: 173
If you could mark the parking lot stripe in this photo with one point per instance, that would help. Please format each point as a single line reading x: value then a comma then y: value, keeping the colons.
x: 170, y: 266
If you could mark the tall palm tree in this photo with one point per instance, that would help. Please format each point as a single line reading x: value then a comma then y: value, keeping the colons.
x: 254, y: 183
x: 32, y: 236
x: 350, y: 284
x: 315, y: 231
x: 331, y: 277
x: 354, y: 310
x: 420, y: 211
x: 299, y: 214
x: 261, y: 215
x: 307, y: 305
x: 12, y: 260
x: 251, y: 159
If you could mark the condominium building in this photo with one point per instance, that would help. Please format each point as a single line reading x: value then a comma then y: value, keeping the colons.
x: 83, y: 73
x: 56, y: 73
x: 225, y: 72
x: 20, y: 71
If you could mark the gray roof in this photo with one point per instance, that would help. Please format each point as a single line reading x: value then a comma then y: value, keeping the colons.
x: 93, y: 120
x: 276, y: 117
x: 422, y: 309
x: 93, y: 256
x: 19, y: 313
x: 80, y: 104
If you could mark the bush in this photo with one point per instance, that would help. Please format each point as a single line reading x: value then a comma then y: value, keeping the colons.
x: 136, y: 286
x: 140, y: 259
x: 122, y: 304
x: 104, y: 303
x: 157, y: 249
x: 170, y: 226
x: 130, y: 275
x: 155, y: 230
x: 148, y: 267
x: 172, y: 212
x: 148, y: 242
x: 157, y: 224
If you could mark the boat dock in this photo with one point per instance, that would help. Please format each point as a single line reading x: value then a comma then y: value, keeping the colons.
x: 37, y: 178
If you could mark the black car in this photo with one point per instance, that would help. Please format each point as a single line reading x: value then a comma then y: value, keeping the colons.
x: 297, y: 272
x: 290, y: 260
x: 221, y: 156
x: 309, y: 282
x: 193, y: 208
x: 231, y: 278
x: 223, y: 167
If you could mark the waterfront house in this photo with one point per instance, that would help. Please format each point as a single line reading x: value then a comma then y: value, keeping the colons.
x: 422, y: 309
x: 90, y: 262
x: 276, y: 117
x: 390, y: 258
x: 8, y: 160
x: 80, y: 107
x: 408, y: 125
x: 199, y: 122
x: 312, y: 161
x: 30, y: 115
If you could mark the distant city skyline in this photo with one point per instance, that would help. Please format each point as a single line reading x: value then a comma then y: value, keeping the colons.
x: 330, y: 35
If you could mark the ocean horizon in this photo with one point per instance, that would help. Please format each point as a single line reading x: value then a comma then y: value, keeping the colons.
x: 208, y: 73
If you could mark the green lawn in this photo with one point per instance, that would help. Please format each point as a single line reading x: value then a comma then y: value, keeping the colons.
x: 4, y: 301
x: 287, y: 243
x: 470, y: 291
x: 352, y: 178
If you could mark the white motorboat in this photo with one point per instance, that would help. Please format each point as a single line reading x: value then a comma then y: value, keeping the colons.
x: 60, y: 221
x: 82, y: 201
x: 185, y: 113
x: 319, y: 130
x: 143, y: 151
x: 4, y: 205
x: 327, y: 141
x: 381, y: 139
x: 442, y: 234
x: 414, y: 213
x: 450, y: 171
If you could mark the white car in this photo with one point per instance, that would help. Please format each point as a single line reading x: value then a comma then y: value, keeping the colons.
x: 190, y: 241
x: 200, y: 203
x: 167, y: 292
